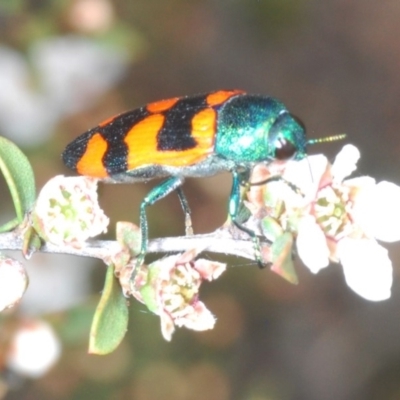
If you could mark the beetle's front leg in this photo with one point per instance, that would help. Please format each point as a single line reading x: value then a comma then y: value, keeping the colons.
x: 234, y: 205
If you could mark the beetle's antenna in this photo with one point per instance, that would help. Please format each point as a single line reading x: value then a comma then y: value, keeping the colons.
x: 327, y: 139
x: 324, y: 140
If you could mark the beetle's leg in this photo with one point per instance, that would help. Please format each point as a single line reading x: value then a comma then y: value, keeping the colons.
x: 186, y: 210
x: 278, y: 178
x: 234, y: 204
x: 157, y: 193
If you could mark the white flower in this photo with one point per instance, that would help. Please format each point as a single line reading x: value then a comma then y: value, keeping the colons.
x: 67, y: 211
x: 170, y: 288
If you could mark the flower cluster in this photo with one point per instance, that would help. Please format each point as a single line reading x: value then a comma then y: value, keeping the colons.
x: 332, y: 219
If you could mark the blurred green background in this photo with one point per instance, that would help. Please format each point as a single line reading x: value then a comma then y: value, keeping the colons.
x: 67, y: 65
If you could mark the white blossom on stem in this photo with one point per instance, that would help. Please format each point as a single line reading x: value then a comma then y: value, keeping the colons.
x: 67, y: 211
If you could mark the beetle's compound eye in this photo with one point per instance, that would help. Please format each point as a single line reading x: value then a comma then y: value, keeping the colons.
x: 284, y: 149
x: 287, y: 138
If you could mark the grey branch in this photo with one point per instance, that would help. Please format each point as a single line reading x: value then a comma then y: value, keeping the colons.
x: 219, y: 241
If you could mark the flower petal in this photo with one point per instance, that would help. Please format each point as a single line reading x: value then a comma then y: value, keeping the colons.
x: 311, y: 245
x: 376, y: 208
x: 167, y: 325
x: 306, y: 173
x: 387, y: 212
x: 345, y: 162
x: 208, y: 269
x: 367, y: 268
x: 360, y: 183
x: 200, y: 319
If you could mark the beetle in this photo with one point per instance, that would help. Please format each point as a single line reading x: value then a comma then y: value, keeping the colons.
x: 193, y: 136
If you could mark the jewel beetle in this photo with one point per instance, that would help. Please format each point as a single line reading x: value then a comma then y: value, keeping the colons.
x: 193, y: 136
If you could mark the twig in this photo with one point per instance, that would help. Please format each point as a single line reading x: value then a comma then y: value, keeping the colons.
x: 219, y: 241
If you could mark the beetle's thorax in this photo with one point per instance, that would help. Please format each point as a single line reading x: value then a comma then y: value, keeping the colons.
x: 251, y: 128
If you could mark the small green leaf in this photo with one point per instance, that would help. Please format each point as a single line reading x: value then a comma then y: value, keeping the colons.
x: 20, y: 180
x: 110, y: 321
x: 129, y: 236
x: 282, y: 260
x: 271, y: 228
x: 31, y: 242
x: 148, y: 290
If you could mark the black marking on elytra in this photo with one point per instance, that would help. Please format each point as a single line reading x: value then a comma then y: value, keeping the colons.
x: 76, y: 149
x: 115, y: 158
x: 176, y: 133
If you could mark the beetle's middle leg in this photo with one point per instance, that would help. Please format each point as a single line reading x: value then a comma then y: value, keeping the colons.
x: 157, y: 193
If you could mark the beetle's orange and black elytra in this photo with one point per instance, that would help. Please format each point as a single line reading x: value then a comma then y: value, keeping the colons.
x: 174, y: 132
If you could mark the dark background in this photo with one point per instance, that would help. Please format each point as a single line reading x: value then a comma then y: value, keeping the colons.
x: 335, y: 64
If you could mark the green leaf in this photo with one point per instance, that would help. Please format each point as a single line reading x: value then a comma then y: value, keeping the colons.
x: 31, y: 242
x: 282, y: 260
x: 271, y: 228
x: 20, y: 180
x: 110, y: 321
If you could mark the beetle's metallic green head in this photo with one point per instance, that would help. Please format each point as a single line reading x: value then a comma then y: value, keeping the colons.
x: 287, y: 138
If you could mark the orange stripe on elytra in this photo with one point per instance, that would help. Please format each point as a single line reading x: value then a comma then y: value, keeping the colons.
x: 221, y: 96
x: 162, y: 105
x: 91, y: 163
x: 142, y: 142
x: 203, y: 129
